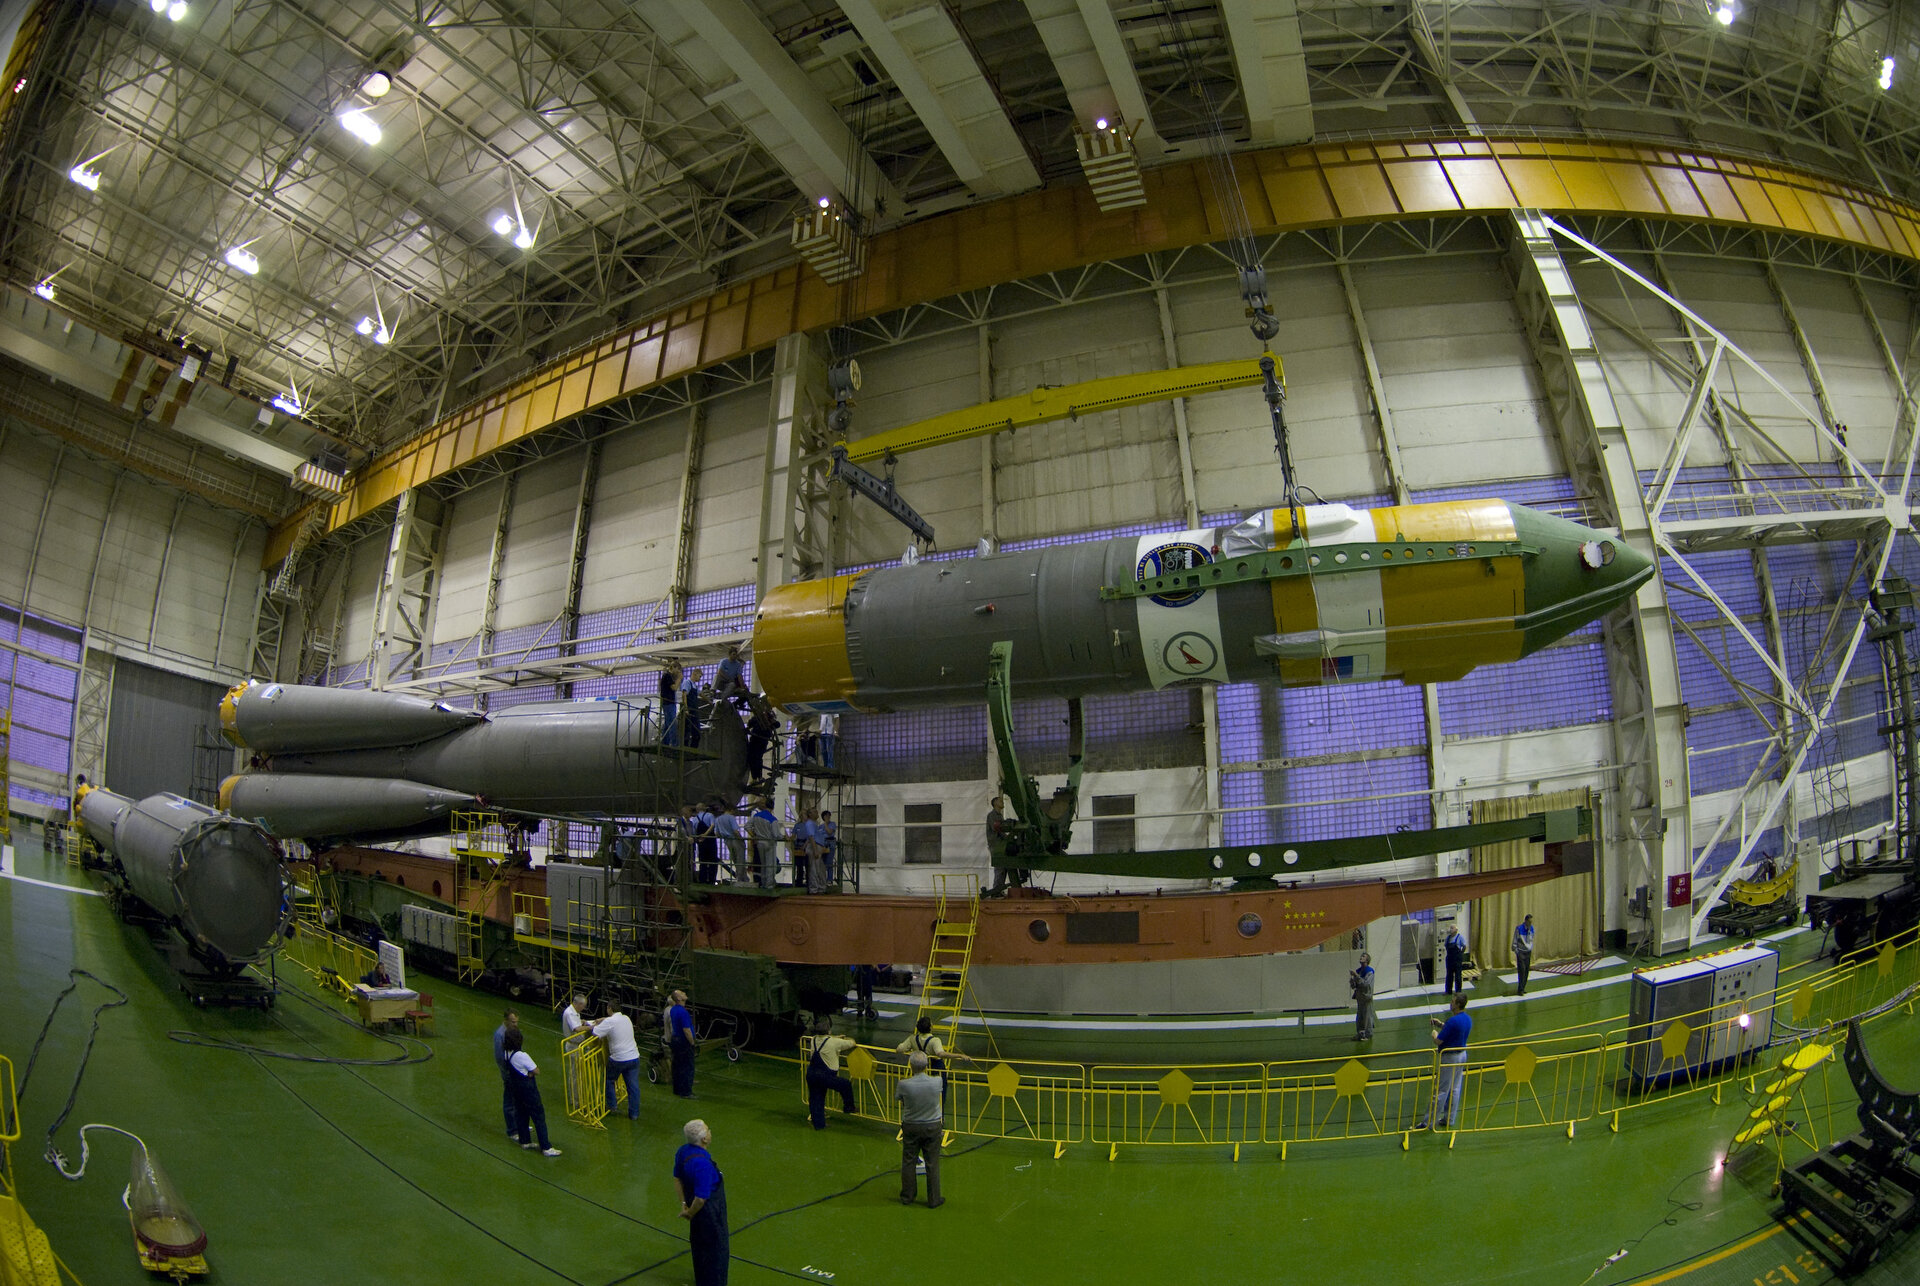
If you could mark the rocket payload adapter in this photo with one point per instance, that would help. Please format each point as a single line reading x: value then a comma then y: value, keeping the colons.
x: 1417, y: 593
x: 335, y: 762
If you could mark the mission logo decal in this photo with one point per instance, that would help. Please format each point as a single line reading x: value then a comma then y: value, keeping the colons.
x: 1180, y: 556
x: 1189, y: 653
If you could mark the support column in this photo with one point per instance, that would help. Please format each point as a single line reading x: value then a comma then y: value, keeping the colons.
x: 577, y: 560
x: 496, y: 559
x: 1650, y: 824
x: 989, y: 472
x: 166, y: 559
x: 1389, y: 444
x: 686, y: 531
x: 408, y: 580
x: 1190, y: 509
x: 795, y: 524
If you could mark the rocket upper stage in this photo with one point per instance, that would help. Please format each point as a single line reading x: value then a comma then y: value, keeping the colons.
x: 1417, y: 593
x: 334, y: 762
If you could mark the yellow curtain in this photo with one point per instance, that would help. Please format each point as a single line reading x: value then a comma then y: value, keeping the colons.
x: 1565, y: 922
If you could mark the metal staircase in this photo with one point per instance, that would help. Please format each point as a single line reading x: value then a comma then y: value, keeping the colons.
x: 480, y: 868
x: 956, y: 918
x: 1766, y: 1121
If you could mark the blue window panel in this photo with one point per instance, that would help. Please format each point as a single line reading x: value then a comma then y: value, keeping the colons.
x: 1305, y: 786
x: 1360, y: 716
x: 1703, y: 675
x: 48, y: 750
x: 507, y: 698
x: 1720, y: 748
x: 1138, y: 730
x: 20, y: 794
x: 1729, y: 574
x: 1561, y: 687
x: 720, y: 611
x: 948, y: 744
x: 1770, y: 844
x: 1249, y: 716
x: 643, y: 688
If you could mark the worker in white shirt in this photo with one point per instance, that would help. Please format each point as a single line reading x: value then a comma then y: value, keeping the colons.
x: 623, y: 1058
x: 526, y: 1095
x: 572, y: 1017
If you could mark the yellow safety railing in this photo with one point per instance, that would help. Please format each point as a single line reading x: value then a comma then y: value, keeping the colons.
x: 583, y: 1071
x: 26, y: 1257
x: 1550, y: 1080
x: 336, y: 962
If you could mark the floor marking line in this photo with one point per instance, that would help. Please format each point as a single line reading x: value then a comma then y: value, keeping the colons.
x: 1714, y: 1258
x: 49, y: 884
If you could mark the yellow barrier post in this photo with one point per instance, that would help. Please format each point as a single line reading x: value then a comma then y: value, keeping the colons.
x: 583, y: 1072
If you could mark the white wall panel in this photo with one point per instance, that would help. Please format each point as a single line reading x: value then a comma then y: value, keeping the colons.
x: 533, y: 577
x: 466, y: 544
x: 358, y: 585
x: 65, y: 561
x: 1849, y: 360
x: 727, y: 517
x: 635, y: 515
x: 1893, y: 312
x: 1734, y: 296
x: 1650, y: 398
x: 194, y: 593
x: 1457, y: 371
x: 130, y: 562
x: 27, y: 461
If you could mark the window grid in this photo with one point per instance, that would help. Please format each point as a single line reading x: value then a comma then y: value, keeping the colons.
x: 1559, y: 687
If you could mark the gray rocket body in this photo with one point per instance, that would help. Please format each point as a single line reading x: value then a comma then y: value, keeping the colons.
x: 215, y: 878
x: 575, y: 758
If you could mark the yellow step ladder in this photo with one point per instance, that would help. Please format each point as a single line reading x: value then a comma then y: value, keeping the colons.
x: 480, y: 868
x: 1774, y: 1094
x: 956, y: 919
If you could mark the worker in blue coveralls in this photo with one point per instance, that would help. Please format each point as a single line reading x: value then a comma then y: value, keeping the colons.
x: 703, y: 1204
x: 681, y: 1045
x: 1450, y: 1039
x: 1456, y: 960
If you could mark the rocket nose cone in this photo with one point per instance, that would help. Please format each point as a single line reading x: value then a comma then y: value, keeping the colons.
x: 1577, y: 576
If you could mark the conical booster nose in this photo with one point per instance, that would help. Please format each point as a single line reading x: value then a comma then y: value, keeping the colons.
x: 1577, y: 577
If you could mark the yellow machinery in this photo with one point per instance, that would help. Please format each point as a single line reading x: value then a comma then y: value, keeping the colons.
x: 480, y: 853
x: 25, y: 1255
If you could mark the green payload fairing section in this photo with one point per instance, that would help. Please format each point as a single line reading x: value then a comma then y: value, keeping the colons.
x: 1316, y: 595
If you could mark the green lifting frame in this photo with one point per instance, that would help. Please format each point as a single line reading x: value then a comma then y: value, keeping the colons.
x: 1039, y: 829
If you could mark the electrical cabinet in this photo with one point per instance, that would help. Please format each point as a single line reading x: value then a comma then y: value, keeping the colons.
x: 1721, y: 1004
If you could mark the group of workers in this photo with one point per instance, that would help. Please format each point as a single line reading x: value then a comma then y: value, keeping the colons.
x: 686, y: 708
x: 1450, y: 1034
x: 742, y: 842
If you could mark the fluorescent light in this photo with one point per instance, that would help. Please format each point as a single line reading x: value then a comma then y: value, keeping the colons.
x: 361, y: 126
x: 177, y: 10
x: 523, y: 238
x: 1101, y: 123
x: 288, y: 403
x: 158, y: 6
x: 382, y: 335
x: 86, y: 178
x: 366, y: 326
x: 1886, y: 73
x: 243, y: 259
x: 1724, y: 14
x: 503, y: 225
x: 826, y: 202
x: 45, y: 290
x: 376, y: 85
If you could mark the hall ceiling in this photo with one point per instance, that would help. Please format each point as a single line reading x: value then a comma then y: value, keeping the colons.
x: 655, y: 149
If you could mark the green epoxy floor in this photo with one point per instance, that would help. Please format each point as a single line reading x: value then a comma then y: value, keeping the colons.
x: 311, y: 1173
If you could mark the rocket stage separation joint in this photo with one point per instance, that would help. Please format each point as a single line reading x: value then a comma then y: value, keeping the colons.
x: 1418, y: 593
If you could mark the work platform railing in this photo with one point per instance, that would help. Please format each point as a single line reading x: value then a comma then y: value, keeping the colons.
x: 26, y: 1258
x: 1552, y: 1080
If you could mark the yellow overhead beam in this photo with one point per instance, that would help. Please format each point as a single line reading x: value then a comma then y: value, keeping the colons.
x: 1060, y: 229
x: 1058, y: 402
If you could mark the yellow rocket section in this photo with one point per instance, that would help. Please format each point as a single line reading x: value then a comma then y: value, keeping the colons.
x: 800, y: 641
x: 1425, y: 606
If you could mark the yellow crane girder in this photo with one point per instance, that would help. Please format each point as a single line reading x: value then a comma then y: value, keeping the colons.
x: 1058, y: 402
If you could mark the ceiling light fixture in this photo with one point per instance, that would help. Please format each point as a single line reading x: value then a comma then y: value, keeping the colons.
x: 524, y: 237
x: 826, y: 203
x: 175, y: 11
x: 86, y: 178
x: 1101, y: 123
x: 291, y: 405
x: 376, y: 85
x: 1886, y: 73
x: 45, y: 290
x: 503, y: 224
x: 244, y: 259
x: 361, y: 126
x: 366, y: 326
x: 1724, y: 14
x: 20, y: 84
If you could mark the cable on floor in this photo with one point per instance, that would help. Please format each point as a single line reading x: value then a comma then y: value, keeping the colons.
x: 52, y: 1153
x: 1670, y: 1219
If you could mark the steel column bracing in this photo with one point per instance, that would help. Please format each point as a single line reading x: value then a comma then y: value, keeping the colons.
x: 496, y: 560
x: 1190, y: 511
x: 687, y: 518
x: 160, y: 578
x: 1389, y: 445
x: 795, y: 537
x: 408, y: 585
x: 1654, y: 809
x: 1873, y: 518
x: 577, y: 560
x: 92, y: 703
